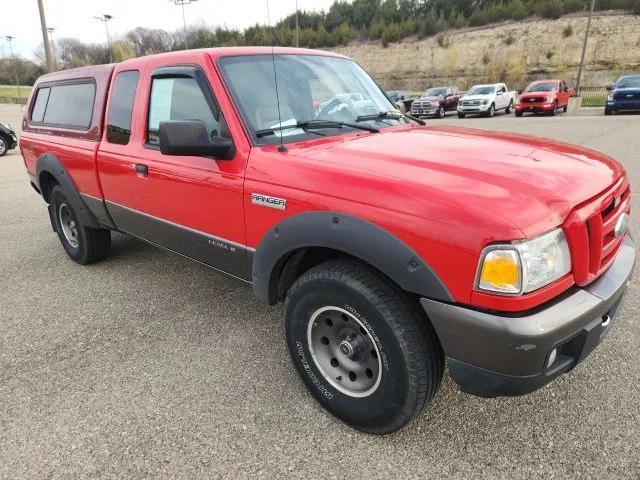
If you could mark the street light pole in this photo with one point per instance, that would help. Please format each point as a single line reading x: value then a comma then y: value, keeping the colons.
x: 297, y: 27
x: 106, y: 18
x: 53, y: 47
x: 584, y: 46
x: 8, y: 38
x: 182, y: 3
x: 45, y: 37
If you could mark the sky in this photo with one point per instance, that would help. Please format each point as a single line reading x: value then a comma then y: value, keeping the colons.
x: 73, y: 18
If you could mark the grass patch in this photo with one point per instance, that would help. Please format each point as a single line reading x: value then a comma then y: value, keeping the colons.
x: 593, y: 101
x: 12, y: 91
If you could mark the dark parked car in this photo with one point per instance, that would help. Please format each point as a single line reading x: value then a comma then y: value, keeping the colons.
x: 624, y: 95
x: 401, y: 98
x: 8, y: 139
x: 435, y: 102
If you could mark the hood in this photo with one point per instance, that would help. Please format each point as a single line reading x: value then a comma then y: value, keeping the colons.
x: 532, y: 182
x: 535, y: 94
x: 432, y: 98
x: 477, y: 97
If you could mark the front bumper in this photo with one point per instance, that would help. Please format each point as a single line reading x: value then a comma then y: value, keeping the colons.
x: 534, y: 107
x: 492, y: 354
x: 623, y: 105
x: 473, y: 108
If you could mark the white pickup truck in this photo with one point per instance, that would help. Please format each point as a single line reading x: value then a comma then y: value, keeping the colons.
x: 486, y: 100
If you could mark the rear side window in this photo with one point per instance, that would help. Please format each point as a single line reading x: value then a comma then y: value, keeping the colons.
x: 40, y: 104
x: 178, y: 98
x: 70, y: 105
x: 121, y: 107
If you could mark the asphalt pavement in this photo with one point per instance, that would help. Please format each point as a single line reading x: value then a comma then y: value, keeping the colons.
x: 149, y: 365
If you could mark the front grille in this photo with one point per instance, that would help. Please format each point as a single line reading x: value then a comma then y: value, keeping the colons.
x: 627, y: 96
x: 533, y: 100
x: 590, y: 232
x: 470, y: 103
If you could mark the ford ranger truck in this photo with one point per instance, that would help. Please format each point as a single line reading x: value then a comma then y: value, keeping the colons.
x: 486, y: 100
x: 624, y: 95
x: 397, y: 249
x: 544, y: 96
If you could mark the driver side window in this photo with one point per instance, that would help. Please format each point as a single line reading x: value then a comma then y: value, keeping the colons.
x: 178, y: 98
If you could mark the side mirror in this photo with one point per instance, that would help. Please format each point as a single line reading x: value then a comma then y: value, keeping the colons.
x: 499, y: 93
x: 191, y: 138
x: 519, y: 91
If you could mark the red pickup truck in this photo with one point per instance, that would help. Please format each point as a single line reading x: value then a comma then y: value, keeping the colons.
x: 394, y: 246
x: 544, y: 96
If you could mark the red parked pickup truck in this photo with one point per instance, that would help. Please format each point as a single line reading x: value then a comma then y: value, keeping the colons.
x: 394, y: 246
x: 544, y: 96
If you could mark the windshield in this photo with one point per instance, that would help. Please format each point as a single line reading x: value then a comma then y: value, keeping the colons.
x: 542, y: 87
x: 435, y: 92
x: 481, y: 90
x: 310, y: 87
x: 628, y: 82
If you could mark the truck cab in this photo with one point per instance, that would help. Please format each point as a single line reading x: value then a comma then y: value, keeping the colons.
x: 396, y: 249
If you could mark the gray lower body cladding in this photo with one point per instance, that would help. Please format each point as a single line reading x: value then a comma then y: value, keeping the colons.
x: 492, y: 354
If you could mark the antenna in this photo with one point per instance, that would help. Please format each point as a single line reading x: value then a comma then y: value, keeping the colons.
x: 281, y: 148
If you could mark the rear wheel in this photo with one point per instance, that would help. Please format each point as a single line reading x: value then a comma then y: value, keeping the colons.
x: 83, y: 244
x: 564, y: 109
x: 4, y: 146
x: 361, y: 347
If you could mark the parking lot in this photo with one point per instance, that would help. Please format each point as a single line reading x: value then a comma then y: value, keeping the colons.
x: 149, y: 365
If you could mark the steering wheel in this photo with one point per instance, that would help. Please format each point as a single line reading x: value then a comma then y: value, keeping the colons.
x: 338, y: 109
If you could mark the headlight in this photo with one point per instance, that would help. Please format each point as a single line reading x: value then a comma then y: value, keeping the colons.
x: 610, y: 97
x: 550, y: 99
x: 523, y: 267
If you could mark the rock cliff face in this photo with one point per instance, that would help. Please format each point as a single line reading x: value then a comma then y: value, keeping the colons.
x: 513, y: 52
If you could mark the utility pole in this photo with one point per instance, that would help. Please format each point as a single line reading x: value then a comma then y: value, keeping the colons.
x: 297, y: 27
x: 53, y: 47
x: 45, y: 37
x: 584, y: 46
x: 182, y: 3
x: 106, y: 18
x: 8, y: 38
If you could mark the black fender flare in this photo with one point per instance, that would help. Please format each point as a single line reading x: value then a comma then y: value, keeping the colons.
x: 50, y: 164
x: 359, y: 238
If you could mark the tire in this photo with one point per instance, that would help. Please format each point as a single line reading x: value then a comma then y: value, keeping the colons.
x: 4, y: 146
x: 492, y: 111
x: 519, y: 114
x: 554, y: 109
x: 508, y: 109
x: 608, y: 111
x: 461, y: 115
x: 405, y: 361
x: 564, y: 109
x: 440, y: 113
x: 83, y: 244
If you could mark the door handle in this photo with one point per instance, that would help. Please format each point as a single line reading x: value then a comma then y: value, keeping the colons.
x: 141, y: 169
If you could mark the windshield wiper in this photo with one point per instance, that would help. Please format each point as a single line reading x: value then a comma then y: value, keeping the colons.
x: 313, y: 124
x: 389, y: 115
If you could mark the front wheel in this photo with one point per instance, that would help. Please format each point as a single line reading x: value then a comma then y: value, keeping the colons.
x: 518, y: 114
x: 554, y: 109
x: 608, y: 111
x: 361, y: 347
x: 4, y: 146
x: 83, y: 244
x: 440, y: 113
x: 461, y: 115
x: 492, y: 111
